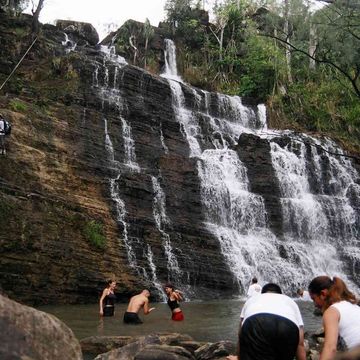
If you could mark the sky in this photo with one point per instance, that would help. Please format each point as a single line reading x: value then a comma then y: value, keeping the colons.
x: 101, y: 13
x: 105, y: 15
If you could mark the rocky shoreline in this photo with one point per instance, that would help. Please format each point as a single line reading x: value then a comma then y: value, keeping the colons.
x: 35, y: 335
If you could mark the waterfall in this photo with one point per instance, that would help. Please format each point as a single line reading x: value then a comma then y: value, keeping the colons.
x: 320, y: 227
x: 318, y: 214
x: 154, y: 280
x: 68, y: 44
x: 111, y: 96
x: 170, y: 61
x: 129, y: 147
x: 162, y: 221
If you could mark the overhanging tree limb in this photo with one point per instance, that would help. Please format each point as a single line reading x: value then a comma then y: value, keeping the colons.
x: 352, y: 80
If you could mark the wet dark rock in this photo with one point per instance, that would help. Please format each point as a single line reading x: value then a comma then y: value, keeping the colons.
x: 129, y: 351
x: 82, y: 33
x: 163, y: 352
x: 254, y: 152
x: 215, y: 350
x: 102, y: 344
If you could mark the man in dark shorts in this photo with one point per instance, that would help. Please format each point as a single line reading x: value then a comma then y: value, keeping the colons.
x: 271, y: 328
x: 135, y: 304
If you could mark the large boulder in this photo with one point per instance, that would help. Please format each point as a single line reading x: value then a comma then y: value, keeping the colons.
x: 81, y: 32
x: 102, y: 344
x: 128, y: 352
x: 164, y: 352
x: 27, y: 333
x: 216, y: 350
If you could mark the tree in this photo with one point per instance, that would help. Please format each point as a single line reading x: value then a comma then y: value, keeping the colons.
x: 177, y: 11
x: 148, y: 33
x: 36, y: 14
x: 13, y: 6
x: 338, y: 41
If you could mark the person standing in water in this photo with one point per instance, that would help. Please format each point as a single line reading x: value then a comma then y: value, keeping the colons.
x: 341, y: 314
x: 254, y: 288
x: 303, y: 295
x: 135, y: 304
x: 174, y: 297
x: 107, y: 299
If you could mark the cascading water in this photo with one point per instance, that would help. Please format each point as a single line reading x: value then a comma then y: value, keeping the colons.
x: 110, y: 94
x: 320, y: 214
x: 319, y: 229
x: 68, y: 44
x: 161, y: 221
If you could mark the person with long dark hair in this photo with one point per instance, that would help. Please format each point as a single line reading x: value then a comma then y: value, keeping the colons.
x: 107, y: 299
x: 174, y: 297
x: 341, y: 314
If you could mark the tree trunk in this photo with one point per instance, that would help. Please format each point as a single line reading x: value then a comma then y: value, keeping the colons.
x: 312, y: 46
x: 287, y: 47
x: 36, y: 14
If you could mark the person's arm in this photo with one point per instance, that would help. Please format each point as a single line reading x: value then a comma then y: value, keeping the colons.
x: 178, y: 295
x: 300, y: 351
x: 146, y: 307
x: 105, y: 292
x: 331, y: 319
x: 236, y: 357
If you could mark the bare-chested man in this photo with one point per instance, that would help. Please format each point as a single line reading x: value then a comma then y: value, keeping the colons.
x: 136, y: 303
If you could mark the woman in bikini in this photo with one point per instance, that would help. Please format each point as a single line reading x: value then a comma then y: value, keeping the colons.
x: 174, y: 297
x: 107, y: 300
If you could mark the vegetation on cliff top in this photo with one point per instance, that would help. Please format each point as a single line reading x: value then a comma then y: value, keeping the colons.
x: 303, y: 63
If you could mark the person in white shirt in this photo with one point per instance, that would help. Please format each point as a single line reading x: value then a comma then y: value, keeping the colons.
x: 2, y: 135
x: 271, y: 328
x: 341, y: 313
x: 304, y: 295
x: 254, y: 288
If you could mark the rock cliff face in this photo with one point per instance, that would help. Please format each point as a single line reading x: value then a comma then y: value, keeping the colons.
x: 97, y: 141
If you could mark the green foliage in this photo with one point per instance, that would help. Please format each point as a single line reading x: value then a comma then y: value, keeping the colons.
x: 257, y: 74
x: 244, y: 53
x: 18, y: 105
x: 94, y: 233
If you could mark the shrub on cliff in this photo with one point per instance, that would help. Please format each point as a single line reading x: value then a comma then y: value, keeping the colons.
x: 94, y: 233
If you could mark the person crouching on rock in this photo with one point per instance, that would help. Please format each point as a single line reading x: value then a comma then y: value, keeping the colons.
x: 135, y: 304
x: 271, y: 327
x: 107, y: 300
x: 174, y: 297
x: 341, y: 314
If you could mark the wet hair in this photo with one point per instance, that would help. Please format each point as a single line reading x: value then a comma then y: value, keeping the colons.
x: 337, y: 290
x: 170, y: 286
x: 272, y: 288
x: 254, y: 280
x: 108, y: 282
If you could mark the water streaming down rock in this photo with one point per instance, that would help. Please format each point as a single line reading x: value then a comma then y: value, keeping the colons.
x: 69, y: 44
x: 319, y: 204
x: 320, y: 228
x: 162, y: 221
x: 111, y: 95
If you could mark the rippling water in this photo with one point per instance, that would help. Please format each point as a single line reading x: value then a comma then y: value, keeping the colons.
x: 204, y: 320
